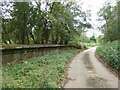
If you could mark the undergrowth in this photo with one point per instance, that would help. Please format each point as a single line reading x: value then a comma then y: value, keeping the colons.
x: 39, y: 72
x: 110, y: 53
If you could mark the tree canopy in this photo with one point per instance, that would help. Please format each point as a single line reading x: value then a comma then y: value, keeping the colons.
x: 42, y: 22
x: 111, y: 16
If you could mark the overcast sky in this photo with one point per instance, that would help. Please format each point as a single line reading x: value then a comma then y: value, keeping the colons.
x: 94, y: 6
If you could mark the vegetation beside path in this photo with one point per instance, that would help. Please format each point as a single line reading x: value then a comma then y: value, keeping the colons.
x: 109, y: 52
x: 109, y: 41
x: 40, y: 72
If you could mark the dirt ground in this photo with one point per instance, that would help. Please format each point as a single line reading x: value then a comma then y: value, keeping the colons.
x: 86, y: 71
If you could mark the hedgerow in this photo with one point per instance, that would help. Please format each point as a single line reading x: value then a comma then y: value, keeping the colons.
x: 110, y: 53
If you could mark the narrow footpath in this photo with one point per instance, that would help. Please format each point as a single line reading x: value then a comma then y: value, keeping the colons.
x: 86, y: 71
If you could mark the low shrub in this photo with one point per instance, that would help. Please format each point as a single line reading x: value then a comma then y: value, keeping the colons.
x: 110, y: 53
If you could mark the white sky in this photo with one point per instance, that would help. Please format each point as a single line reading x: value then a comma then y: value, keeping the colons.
x: 94, y: 6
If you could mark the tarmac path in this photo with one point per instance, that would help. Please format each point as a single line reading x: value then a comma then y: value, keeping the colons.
x: 85, y: 71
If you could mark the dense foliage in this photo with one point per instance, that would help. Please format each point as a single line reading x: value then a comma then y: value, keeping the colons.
x: 109, y: 48
x: 42, y: 22
x: 110, y: 52
x: 40, y: 72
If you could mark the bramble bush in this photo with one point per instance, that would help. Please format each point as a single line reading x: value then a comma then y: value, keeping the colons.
x: 110, y: 52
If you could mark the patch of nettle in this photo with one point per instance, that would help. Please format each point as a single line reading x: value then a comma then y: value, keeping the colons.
x: 39, y: 72
x: 110, y: 53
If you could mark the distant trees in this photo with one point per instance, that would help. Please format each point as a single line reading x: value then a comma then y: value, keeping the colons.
x: 111, y: 16
x: 41, y: 22
x: 93, y: 39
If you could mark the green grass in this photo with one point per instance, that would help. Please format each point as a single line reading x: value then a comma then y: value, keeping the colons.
x: 40, y: 72
x: 110, y: 53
